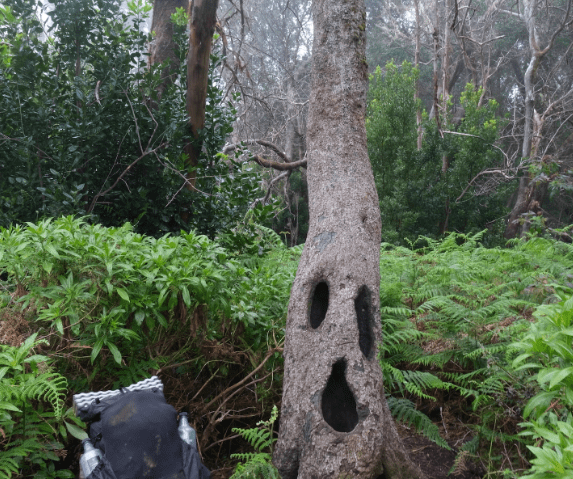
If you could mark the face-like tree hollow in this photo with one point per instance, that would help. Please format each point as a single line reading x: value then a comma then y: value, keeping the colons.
x: 363, y: 307
x: 319, y: 304
x: 338, y: 403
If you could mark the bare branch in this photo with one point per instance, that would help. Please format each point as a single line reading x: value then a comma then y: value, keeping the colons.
x: 120, y: 177
x: 475, y: 136
x: 278, y: 166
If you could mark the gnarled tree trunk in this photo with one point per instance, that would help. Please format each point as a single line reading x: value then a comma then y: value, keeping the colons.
x: 334, y: 418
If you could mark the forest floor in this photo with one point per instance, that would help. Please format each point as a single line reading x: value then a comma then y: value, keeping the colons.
x: 435, y: 461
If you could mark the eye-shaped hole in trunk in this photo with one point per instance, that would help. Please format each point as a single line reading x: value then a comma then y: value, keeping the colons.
x: 319, y: 304
x: 363, y: 307
x: 338, y: 403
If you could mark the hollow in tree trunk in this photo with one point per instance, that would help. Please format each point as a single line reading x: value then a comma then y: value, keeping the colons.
x: 334, y: 418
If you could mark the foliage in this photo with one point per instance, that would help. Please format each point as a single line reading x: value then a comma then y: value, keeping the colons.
x: 418, y: 194
x: 546, y: 350
x: 33, y: 420
x: 114, y: 290
x: 257, y: 464
x: 392, y: 135
x: 450, y: 311
x: 84, y: 130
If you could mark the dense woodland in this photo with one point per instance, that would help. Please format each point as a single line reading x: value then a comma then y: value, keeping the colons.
x: 148, y: 230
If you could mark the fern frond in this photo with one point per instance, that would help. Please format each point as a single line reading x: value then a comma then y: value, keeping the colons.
x: 257, y: 466
x: 50, y: 387
x: 12, y: 455
x: 259, y: 439
x: 405, y: 411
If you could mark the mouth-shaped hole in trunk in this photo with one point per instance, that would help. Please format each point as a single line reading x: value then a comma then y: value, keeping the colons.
x: 338, y: 403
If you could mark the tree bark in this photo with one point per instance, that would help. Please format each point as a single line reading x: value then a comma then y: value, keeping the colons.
x: 163, y: 47
x: 202, y: 25
x: 334, y: 418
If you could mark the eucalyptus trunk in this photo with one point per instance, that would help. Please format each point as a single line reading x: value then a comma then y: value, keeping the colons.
x: 202, y: 20
x: 163, y: 47
x: 334, y: 418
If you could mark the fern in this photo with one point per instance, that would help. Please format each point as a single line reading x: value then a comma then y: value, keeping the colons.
x: 405, y: 411
x: 31, y: 408
x: 13, y: 454
x: 258, y: 438
x: 258, y: 464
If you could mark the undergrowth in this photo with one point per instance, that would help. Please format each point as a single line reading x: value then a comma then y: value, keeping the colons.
x: 33, y: 419
x: 255, y: 465
x: 116, y: 307
x: 450, y: 311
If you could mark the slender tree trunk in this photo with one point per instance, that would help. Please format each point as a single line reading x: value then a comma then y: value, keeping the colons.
x: 163, y: 47
x: 202, y: 26
x: 526, y: 190
x: 417, y: 65
x: 334, y: 418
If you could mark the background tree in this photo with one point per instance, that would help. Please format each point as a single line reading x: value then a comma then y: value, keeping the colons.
x: 163, y: 47
x: 268, y: 47
x: 89, y: 135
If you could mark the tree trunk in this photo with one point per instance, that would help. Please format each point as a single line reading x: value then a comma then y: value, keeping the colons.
x: 202, y: 25
x: 417, y: 65
x: 163, y: 48
x: 334, y: 418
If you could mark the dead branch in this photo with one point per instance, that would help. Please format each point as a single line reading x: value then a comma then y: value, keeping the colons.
x: 245, y: 379
x: 278, y: 166
x: 286, y: 166
x: 476, y: 136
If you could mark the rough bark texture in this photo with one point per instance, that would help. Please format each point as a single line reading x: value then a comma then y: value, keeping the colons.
x: 334, y: 418
x: 202, y: 26
x: 163, y: 48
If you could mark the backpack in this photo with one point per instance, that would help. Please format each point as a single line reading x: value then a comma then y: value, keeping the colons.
x: 137, y: 433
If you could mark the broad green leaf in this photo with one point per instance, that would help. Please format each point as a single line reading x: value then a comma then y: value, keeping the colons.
x: 75, y: 431
x: 52, y: 250
x: 115, y: 351
x: 96, y: 349
x: 123, y: 293
x: 541, y: 400
x: 560, y: 376
x: 9, y: 407
x: 186, y: 296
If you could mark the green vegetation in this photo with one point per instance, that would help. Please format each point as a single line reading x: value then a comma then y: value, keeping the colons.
x: 32, y: 411
x: 420, y: 190
x: 469, y: 332
x: 82, y: 129
x: 261, y: 439
x: 546, y: 349
x: 103, y: 283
